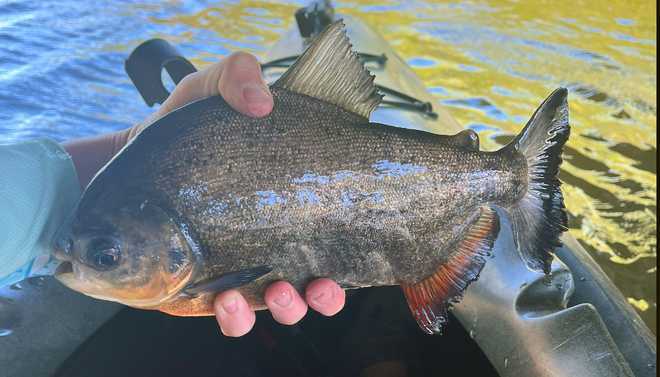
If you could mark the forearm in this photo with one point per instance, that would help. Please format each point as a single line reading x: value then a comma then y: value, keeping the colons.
x: 90, y: 154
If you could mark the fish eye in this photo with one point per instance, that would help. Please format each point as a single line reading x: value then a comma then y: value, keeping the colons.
x: 104, y: 253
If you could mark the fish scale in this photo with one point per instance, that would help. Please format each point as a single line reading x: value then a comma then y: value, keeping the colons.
x: 352, y: 148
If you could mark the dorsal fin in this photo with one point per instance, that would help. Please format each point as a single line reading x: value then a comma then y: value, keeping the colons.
x: 331, y: 71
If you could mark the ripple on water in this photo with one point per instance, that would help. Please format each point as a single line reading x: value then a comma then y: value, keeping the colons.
x: 422, y: 62
x: 593, y: 94
x: 645, y: 159
x: 480, y: 104
x: 625, y: 21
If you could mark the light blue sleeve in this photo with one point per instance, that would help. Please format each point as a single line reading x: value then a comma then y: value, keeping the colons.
x: 39, y: 190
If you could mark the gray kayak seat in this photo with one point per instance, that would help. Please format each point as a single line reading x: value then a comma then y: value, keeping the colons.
x: 573, y: 322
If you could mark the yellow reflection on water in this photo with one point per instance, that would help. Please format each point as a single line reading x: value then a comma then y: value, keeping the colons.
x: 491, y: 63
x: 641, y: 305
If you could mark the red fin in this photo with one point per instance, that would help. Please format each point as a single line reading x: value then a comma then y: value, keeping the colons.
x: 430, y: 298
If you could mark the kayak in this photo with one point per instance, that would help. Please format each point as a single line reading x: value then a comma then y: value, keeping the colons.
x: 515, y: 322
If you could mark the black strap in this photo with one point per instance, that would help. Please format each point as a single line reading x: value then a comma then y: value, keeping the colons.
x: 407, y: 102
x: 145, y: 64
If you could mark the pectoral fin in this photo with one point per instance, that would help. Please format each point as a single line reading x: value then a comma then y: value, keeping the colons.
x: 430, y: 299
x: 227, y: 281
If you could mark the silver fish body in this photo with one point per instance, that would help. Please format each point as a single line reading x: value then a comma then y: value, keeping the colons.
x: 209, y: 199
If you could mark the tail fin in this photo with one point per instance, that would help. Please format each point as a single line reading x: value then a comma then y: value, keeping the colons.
x: 539, y: 218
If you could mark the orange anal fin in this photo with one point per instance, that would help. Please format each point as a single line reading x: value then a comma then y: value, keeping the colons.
x: 430, y: 299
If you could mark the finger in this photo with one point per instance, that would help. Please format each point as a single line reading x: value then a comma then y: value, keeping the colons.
x: 284, y: 303
x: 233, y: 313
x: 325, y: 296
x: 195, y: 86
x: 242, y: 86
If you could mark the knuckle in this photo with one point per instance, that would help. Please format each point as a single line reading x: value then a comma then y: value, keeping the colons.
x: 241, y: 56
x: 242, y: 60
x: 187, y: 80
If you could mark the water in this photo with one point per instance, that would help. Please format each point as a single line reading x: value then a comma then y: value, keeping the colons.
x: 490, y: 63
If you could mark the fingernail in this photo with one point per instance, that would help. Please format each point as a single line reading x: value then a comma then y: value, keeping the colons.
x: 284, y: 299
x: 324, y: 297
x: 230, y: 306
x: 258, y: 99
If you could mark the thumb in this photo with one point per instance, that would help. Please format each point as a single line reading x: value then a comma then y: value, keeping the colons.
x: 242, y: 86
x: 195, y: 86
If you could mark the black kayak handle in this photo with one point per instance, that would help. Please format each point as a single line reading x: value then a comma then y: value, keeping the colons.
x: 145, y: 65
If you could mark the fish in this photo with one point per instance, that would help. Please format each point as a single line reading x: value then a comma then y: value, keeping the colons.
x: 206, y: 199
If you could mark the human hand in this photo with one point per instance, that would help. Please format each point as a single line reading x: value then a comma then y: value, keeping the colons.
x: 238, y: 79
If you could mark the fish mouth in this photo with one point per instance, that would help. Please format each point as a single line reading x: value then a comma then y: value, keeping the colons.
x: 64, y: 268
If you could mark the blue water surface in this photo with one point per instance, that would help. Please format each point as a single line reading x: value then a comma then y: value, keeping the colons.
x: 62, y: 65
